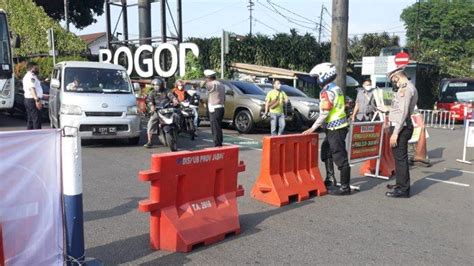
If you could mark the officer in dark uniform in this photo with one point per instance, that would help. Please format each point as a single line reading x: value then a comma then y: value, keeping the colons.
x: 157, y: 97
x: 401, y: 129
x: 332, y: 113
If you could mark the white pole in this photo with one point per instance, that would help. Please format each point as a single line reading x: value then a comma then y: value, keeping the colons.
x: 222, y: 54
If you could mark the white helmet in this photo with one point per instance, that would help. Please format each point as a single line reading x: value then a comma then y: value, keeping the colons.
x: 324, y: 73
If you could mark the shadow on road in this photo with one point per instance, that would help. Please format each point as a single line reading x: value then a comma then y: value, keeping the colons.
x: 121, y: 209
x: 436, y: 153
x: 134, y: 248
x: 423, y: 183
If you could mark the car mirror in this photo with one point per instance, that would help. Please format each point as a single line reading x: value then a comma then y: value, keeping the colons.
x: 229, y: 92
x: 55, y: 83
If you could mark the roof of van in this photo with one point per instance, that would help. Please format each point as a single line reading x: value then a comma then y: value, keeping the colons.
x: 90, y: 64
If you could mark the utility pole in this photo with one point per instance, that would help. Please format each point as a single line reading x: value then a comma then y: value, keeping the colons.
x: 320, y: 24
x: 180, y: 20
x: 125, y: 20
x: 340, y: 18
x: 66, y: 16
x: 144, y: 21
x: 250, y: 6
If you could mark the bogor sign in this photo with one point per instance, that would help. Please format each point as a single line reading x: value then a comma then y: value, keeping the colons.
x: 145, y: 66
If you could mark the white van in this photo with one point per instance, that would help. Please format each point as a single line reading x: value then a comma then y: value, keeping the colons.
x: 97, y: 98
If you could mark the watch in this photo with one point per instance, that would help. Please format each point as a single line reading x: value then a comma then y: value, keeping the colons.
x: 37, y: 100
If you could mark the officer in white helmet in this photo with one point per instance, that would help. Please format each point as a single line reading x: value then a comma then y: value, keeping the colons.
x: 333, y: 115
x: 215, y: 103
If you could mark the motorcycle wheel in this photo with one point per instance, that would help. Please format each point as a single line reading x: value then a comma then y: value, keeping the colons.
x: 162, y: 138
x: 171, y: 140
x: 191, y: 129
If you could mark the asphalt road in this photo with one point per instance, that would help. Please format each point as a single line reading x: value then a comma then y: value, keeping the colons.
x: 434, y: 227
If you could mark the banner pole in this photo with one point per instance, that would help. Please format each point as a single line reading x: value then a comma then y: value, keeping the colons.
x: 464, y: 152
x: 2, y: 255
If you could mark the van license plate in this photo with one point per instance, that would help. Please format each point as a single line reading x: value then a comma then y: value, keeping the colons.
x: 104, y: 131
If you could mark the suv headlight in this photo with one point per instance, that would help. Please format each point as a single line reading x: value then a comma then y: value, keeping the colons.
x: 68, y: 109
x: 7, y: 89
x: 132, y: 110
x: 258, y: 101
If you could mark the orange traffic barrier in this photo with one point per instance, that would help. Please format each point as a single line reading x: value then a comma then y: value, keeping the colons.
x: 387, y: 162
x: 421, y: 154
x: 289, y: 170
x: 192, y: 197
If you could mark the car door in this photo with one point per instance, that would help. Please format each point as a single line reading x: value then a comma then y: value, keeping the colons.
x: 230, y: 93
x: 54, y: 103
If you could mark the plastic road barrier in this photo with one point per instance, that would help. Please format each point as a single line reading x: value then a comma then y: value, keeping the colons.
x: 289, y: 170
x: 192, y: 197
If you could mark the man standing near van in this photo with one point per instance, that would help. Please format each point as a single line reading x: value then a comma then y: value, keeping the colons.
x: 274, y: 102
x: 33, y: 95
x: 215, y: 103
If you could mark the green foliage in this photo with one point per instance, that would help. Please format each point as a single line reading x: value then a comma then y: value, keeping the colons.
x: 446, y: 34
x: 45, y: 65
x: 80, y: 13
x: 289, y: 51
x: 194, y: 69
x: 370, y: 45
x: 30, y: 22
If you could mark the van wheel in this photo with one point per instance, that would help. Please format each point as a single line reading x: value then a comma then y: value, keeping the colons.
x: 243, y: 122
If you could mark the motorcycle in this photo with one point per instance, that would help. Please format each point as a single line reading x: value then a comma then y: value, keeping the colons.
x: 187, y: 119
x: 168, y: 125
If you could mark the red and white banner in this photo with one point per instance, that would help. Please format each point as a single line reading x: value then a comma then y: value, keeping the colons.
x: 365, y: 141
x: 30, y: 197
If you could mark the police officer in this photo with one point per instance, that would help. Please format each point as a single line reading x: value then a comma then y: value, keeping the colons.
x: 156, y: 98
x: 401, y: 129
x: 215, y: 103
x: 333, y: 114
x: 33, y: 95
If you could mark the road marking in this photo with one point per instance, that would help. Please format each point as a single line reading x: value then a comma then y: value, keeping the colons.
x: 459, y: 170
x: 448, y: 182
x: 240, y: 146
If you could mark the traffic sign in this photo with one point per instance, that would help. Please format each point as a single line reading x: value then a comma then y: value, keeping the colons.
x: 402, y: 59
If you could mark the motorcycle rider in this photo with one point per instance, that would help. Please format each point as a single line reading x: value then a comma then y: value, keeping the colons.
x: 194, y: 103
x: 157, y: 97
x: 333, y: 114
x: 180, y: 93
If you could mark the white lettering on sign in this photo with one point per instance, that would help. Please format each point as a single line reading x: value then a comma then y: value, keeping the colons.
x: 200, y: 159
x: 136, y: 61
x: 201, y: 205
x: 367, y: 129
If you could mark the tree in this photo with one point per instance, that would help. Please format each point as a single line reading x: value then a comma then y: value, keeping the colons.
x: 30, y: 22
x: 445, y: 32
x: 370, y: 45
x: 80, y: 13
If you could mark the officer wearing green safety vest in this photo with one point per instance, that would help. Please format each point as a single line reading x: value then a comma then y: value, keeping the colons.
x: 333, y: 115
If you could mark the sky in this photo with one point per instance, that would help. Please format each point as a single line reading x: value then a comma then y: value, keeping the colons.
x: 206, y: 18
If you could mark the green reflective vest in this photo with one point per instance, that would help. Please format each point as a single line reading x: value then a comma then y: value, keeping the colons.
x: 337, y: 116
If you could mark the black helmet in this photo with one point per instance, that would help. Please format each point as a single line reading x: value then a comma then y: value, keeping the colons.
x: 156, y: 82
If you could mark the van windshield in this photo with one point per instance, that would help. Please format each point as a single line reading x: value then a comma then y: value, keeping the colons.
x: 457, y: 92
x: 96, y: 80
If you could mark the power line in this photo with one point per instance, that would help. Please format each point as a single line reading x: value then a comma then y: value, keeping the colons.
x: 298, y: 15
x: 271, y: 17
x: 172, y: 18
x: 250, y: 7
x: 211, y: 13
x: 270, y: 27
x: 291, y: 20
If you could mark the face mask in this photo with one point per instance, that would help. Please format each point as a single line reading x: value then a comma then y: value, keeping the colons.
x: 368, y: 88
x: 395, y: 86
x: 180, y: 87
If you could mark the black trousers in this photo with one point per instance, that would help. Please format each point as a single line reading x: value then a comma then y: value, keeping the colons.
x: 334, y: 146
x: 400, y: 154
x: 216, y: 125
x: 33, y: 115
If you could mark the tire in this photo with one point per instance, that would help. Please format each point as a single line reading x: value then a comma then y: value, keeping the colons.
x: 162, y: 138
x: 171, y: 140
x: 191, y: 128
x: 243, y: 122
x: 134, y: 141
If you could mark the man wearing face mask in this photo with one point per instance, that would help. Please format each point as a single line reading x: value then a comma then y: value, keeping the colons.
x: 332, y: 113
x: 365, y: 106
x: 33, y: 95
x: 401, y: 129
x: 158, y: 97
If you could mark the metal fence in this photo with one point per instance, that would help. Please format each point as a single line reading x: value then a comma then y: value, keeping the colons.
x: 438, y: 118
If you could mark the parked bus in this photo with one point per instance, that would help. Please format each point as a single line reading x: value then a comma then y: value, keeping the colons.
x: 457, y: 95
x: 7, y: 81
